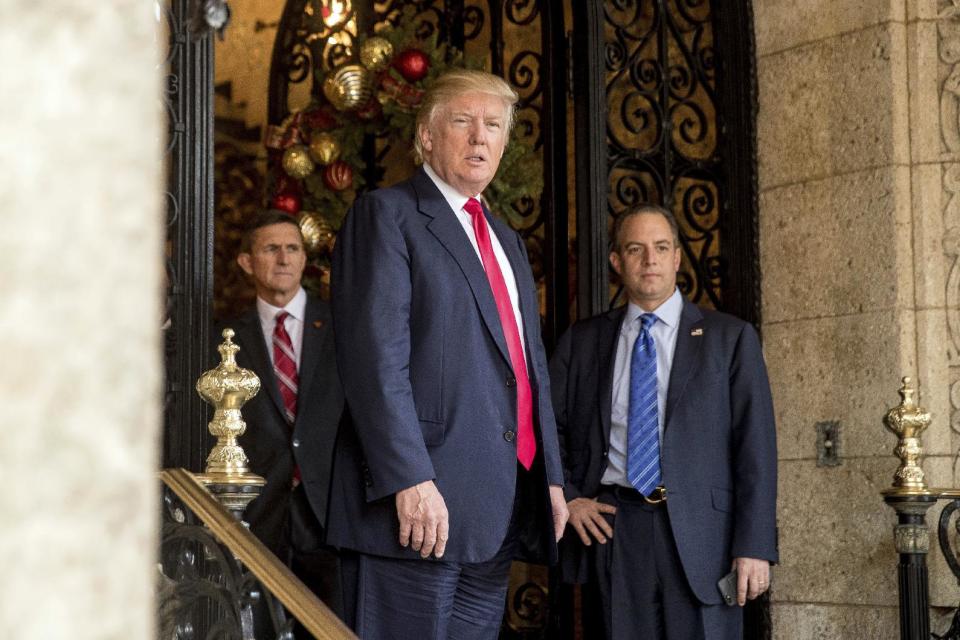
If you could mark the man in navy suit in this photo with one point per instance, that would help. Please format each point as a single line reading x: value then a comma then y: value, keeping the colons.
x: 292, y: 423
x: 656, y: 522
x: 451, y: 466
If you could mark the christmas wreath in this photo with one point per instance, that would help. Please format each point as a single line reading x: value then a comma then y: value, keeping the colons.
x: 315, y: 154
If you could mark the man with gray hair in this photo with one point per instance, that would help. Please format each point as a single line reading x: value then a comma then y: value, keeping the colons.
x: 450, y: 467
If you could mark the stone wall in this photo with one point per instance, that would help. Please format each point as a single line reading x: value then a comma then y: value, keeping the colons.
x: 855, y: 289
x: 80, y: 279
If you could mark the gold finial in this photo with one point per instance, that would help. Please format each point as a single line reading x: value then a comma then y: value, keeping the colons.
x: 907, y: 421
x: 228, y: 351
x: 228, y: 387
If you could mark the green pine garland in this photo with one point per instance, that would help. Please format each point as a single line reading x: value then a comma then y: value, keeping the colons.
x: 519, y: 180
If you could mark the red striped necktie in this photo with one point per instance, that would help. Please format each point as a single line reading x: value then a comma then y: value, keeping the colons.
x: 526, y: 443
x: 285, y: 366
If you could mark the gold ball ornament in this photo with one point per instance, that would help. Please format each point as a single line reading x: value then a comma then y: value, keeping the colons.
x: 376, y: 53
x: 297, y: 162
x: 318, y: 235
x: 324, y: 148
x: 349, y: 87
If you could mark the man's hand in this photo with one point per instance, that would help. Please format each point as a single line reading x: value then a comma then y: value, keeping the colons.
x: 586, y: 517
x: 753, y: 578
x: 559, y: 507
x: 424, y: 522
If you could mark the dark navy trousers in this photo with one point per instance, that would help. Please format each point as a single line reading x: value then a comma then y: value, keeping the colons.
x: 398, y: 599
x: 643, y: 588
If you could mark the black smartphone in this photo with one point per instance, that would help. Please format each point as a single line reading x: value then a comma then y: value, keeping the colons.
x: 728, y: 588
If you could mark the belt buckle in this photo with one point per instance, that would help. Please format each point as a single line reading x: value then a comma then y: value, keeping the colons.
x: 657, y: 496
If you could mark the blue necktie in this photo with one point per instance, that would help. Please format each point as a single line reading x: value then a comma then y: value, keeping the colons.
x: 643, y: 432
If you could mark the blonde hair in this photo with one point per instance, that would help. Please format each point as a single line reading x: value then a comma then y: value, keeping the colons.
x: 453, y: 84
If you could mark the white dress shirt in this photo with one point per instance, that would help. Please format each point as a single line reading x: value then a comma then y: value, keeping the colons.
x: 664, y: 334
x: 457, y: 201
x: 297, y: 308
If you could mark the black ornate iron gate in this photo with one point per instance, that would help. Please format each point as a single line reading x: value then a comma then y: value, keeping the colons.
x: 496, y: 31
x: 663, y: 101
x: 668, y: 96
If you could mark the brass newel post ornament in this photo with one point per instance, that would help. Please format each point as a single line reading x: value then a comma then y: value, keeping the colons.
x: 911, y: 499
x: 907, y: 421
x: 228, y: 388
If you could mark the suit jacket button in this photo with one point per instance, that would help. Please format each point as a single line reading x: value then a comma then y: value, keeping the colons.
x: 296, y: 443
x: 509, y: 435
x: 511, y: 381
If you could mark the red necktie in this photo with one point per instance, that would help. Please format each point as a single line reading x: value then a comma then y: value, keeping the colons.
x: 285, y: 367
x: 526, y: 443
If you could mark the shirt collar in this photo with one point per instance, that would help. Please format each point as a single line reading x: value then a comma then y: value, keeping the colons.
x: 296, y: 307
x: 668, y: 312
x: 454, y: 198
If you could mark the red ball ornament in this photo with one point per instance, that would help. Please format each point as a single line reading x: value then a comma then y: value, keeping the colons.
x: 412, y: 64
x: 289, y: 202
x: 338, y: 175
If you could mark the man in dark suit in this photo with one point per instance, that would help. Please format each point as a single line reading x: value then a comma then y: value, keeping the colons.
x: 452, y: 452
x: 669, y: 449
x: 287, y: 340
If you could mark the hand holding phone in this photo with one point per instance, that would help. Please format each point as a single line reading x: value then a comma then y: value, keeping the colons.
x: 728, y: 588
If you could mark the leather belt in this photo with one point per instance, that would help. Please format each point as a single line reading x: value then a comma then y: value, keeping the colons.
x: 657, y: 496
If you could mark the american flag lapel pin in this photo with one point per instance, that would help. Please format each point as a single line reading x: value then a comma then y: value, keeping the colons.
x: 697, y: 332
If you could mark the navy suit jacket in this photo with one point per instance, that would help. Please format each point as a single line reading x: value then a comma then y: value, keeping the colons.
x: 719, y: 439
x: 428, y: 380
x: 273, y: 446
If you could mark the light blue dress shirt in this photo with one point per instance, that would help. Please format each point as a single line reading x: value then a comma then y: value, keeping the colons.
x: 664, y: 333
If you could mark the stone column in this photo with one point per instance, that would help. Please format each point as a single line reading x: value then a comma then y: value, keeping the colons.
x: 855, y: 291
x: 80, y: 289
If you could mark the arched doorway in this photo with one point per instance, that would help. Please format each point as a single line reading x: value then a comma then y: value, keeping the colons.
x: 620, y: 101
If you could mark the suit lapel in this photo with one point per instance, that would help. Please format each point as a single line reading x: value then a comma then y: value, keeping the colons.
x: 528, y: 303
x: 607, y: 354
x: 446, y: 228
x: 251, y: 333
x: 684, y: 356
x: 315, y: 327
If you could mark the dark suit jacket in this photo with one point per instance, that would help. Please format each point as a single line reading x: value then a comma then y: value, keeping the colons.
x: 719, y: 441
x: 428, y: 378
x: 270, y: 443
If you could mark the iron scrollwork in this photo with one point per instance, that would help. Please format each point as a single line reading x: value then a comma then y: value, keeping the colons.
x: 428, y: 17
x: 310, y: 38
x: 204, y: 592
x: 953, y: 560
x: 662, y: 129
x: 943, y: 536
x: 499, y: 35
x: 494, y: 30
